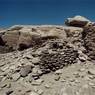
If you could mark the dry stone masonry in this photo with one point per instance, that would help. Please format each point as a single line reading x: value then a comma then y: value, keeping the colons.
x: 89, y: 40
x: 60, y: 55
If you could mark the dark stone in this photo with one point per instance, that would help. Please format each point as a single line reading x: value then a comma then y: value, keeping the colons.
x: 23, y: 46
x: 54, y: 61
x: 2, y: 43
x: 88, y: 36
x: 9, y: 92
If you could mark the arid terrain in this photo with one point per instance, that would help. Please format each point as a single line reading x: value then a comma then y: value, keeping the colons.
x: 48, y: 59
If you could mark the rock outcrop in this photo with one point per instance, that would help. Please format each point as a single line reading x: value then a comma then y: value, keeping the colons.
x: 89, y: 39
x: 22, y: 37
x: 77, y: 21
x: 11, y: 38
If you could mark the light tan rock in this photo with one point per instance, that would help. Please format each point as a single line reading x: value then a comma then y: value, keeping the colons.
x: 27, y: 37
x: 11, y: 38
x: 22, y: 37
x: 15, y: 27
x: 57, y: 33
x: 33, y: 93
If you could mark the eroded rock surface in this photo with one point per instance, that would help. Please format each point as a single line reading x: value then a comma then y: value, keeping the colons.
x: 89, y: 40
x: 77, y: 21
x: 22, y: 37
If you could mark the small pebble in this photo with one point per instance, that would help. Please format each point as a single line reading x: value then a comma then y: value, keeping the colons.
x: 40, y: 92
x: 47, y: 86
x: 9, y: 92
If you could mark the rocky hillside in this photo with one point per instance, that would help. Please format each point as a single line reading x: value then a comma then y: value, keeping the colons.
x: 48, y: 59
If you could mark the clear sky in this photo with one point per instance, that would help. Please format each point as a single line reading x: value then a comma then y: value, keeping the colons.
x: 14, y: 12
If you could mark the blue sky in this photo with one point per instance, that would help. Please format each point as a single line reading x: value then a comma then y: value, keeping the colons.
x: 14, y: 12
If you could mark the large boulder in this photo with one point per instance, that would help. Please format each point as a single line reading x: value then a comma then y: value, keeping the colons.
x: 22, y: 37
x: 54, y: 33
x: 27, y: 38
x: 58, y: 33
x: 15, y: 27
x: 77, y: 21
x: 11, y: 38
x: 19, y: 39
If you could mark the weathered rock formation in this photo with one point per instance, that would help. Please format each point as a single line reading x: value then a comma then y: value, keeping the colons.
x: 89, y: 40
x: 77, y: 21
x: 21, y: 37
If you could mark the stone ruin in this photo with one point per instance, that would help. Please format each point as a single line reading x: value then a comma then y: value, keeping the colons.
x: 60, y: 44
x: 58, y: 56
x: 89, y: 40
